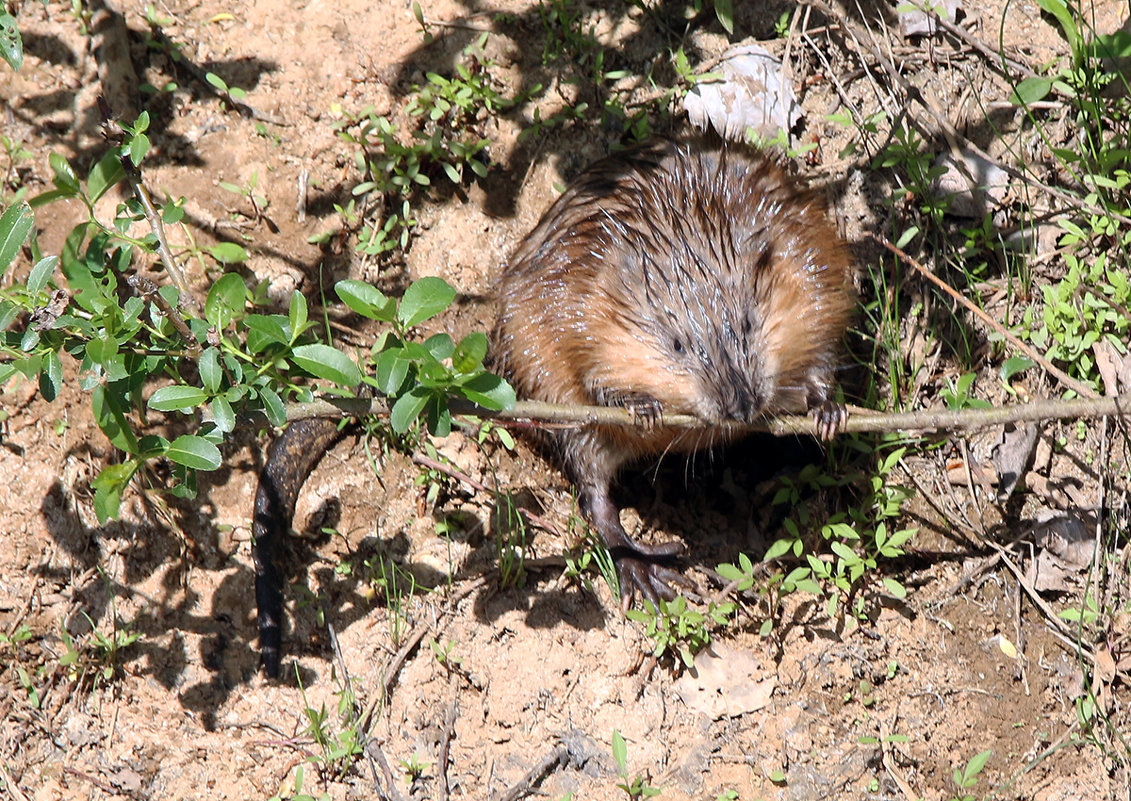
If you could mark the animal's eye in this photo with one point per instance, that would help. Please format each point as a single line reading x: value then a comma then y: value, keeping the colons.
x: 677, y: 345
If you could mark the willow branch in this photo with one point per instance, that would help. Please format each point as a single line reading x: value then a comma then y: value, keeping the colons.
x: 553, y: 415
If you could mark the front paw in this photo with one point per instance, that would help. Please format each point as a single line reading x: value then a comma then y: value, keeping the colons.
x: 644, y: 409
x: 829, y: 417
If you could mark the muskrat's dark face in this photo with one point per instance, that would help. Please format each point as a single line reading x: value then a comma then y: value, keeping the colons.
x: 716, y: 353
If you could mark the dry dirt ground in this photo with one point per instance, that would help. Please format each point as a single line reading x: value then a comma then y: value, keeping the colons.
x: 542, y: 674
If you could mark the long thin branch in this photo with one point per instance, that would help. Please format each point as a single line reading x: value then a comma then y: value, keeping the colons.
x: 996, y: 58
x: 859, y: 420
x: 1079, y: 388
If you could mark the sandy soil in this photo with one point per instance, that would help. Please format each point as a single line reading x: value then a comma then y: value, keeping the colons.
x: 886, y: 708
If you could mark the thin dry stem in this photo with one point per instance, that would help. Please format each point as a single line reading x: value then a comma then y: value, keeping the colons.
x: 1078, y: 387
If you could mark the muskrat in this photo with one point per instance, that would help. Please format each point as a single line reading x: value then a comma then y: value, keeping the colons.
x: 674, y: 278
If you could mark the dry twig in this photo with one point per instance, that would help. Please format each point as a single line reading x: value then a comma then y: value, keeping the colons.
x: 1079, y: 388
x: 446, y: 742
x: 550, y: 762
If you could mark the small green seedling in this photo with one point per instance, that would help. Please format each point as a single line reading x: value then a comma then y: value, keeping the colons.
x: 637, y: 787
x: 231, y: 95
x: 413, y: 769
x: 967, y: 777
x: 676, y: 627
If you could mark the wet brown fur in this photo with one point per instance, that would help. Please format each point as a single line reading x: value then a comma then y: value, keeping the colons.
x: 702, y: 243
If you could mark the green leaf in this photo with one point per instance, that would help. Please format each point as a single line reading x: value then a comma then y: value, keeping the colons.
x: 366, y: 300
x: 223, y: 414
x: 425, y: 299
x: 52, y: 377
x: 1111, y: 46
x: 323, y: 361
x: 470, y: 353
x: 844, y: 552
x: 64, y: 175
x: 968, y: 777
x: 439, y: 416
x: 15, y: 226
x: 732, y: 573
x: 895, y: 588
x: 724, y: 10
x: 407, y: 408
x: 141, y: 124
x: 172, y: 213
x: 273, y: 407
x: 194, y: 452
x: 489, y: 391
x: 108, y: 486
x: 106, y: 404
x: 1059, y: 10
x: 37, y: 279
x: 11, y: 46
x: 216, y: 81
x: 271, y: 327
x: 177, y: 398
x: 907, y: 236
x: 620, y: 753
x: 210, y: 372
x: 440, y: 346
x: 1030, y: 90
x: 50, y: 196
x: 228, y: 253
x: 103, y: 175
x: 225, y: 300
x: 392, y: 369
x: 778, y: 549
x: 1015, y: 365
x: 29, y: 340
x: 297, y: 314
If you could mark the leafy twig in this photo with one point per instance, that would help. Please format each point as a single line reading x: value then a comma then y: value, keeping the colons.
x: 148, y: 290
x: 114, y: 134
x: 201, y: 76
